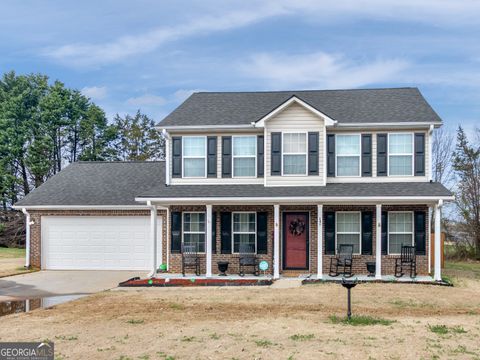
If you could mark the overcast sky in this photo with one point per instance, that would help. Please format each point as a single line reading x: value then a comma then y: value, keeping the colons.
x: 151, y: 55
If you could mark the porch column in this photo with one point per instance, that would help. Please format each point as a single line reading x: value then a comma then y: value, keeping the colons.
x: 429, y: 238
x: 438, y: 253
x: 154, y: 235
x: 208, y: 242
x: 319, y: 242
x: 378, y: 245
x: 276, y: 241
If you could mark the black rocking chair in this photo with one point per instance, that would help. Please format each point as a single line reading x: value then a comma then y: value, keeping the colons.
x: 247, y: 258
x: 407, y: 260
x: 190, y: 258
x: 343, y: 260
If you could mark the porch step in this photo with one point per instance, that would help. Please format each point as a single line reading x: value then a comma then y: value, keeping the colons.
x: 294, y: 273
x: 287, y: 283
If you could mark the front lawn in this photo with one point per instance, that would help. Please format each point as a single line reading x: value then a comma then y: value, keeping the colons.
x: 11, y: 253
x: 12, y: 261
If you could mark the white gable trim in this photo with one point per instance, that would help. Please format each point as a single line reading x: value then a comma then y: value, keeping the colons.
x: 261, y: 123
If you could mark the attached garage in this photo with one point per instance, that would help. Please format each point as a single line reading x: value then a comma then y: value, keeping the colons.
x: 98, y: 243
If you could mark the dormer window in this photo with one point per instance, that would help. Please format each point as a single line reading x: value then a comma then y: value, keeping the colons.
x: 294, y: 154
x: 400, y: 154
x: 244, y: 156
x: 348, y: 155
x: 194, y: 156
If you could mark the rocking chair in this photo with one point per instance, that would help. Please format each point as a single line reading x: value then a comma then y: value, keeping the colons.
x: 190, y: 258
x: 343, y: 260
x: 247, y: 258
x: 407, y: 260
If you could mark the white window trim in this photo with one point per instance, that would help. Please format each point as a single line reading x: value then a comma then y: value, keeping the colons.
x: 243, y: 232
x: 244, y: 156
x: 403, y: 154
x: 305, y: 153
x: 194, y: 157
x: 194, y: 232
x: 399, y: 233
x: 359, y: 156
x: 349, y: 233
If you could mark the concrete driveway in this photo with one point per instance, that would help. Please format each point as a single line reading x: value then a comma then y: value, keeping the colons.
x: 58, y: 282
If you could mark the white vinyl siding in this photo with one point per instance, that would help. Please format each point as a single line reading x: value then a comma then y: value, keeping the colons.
x: 194, y: 229
x: 400, y: 230
x: 347, y: 155
x: 348, y: 230
x: 244, y: 156
x: 194, y: 154
x: 400, y: 154
x: 294, y: 153
x: 244, y: 230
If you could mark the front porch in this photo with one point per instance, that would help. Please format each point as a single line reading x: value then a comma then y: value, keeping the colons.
x: 309, y: 254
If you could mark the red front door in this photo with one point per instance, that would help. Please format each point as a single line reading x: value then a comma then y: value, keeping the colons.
x: 295, y: 241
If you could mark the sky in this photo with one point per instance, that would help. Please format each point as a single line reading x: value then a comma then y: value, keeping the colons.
x: 151, y: 55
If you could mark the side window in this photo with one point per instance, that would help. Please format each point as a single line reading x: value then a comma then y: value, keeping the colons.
x: 294, y: 154
x: 348, y: 155
x: 349, y: 230
x: 194, y: 230
x: 400, y: 231
x: 400, y: 154
x: 244, y: 156
x: 194, y: 156
x: 244, y: 231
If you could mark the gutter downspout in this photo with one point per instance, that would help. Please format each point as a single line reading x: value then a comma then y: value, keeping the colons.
x: 168, y: 138
x: 153, y: 234
x: 27, y: 238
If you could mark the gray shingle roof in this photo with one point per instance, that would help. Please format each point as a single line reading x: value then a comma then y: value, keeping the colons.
x: 345, y: 106
x: 119, y: 183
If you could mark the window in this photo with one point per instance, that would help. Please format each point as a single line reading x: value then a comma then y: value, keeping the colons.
x: 244, y: 230
x: 400, y: 154
x: 400, y: 231
x: 294, y: 154
x: 194, y: 154
x: 349, y: 230
x: 348, y: 155
x: 194, y: 230
x: 244, y: 156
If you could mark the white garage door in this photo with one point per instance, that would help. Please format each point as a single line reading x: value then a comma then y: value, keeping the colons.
x: 97, y: 243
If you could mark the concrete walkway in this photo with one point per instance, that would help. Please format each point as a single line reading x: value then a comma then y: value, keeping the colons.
x: 59, y: 282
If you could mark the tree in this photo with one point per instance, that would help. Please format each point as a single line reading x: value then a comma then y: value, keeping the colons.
x: 442, y: 149
x: 466, y: 164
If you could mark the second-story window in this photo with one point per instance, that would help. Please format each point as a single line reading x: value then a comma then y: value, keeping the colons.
x: 194, y: 151
x: 348, y: 155
x: 400, y: 154
x: 294, y: 154
x: 244, y: 156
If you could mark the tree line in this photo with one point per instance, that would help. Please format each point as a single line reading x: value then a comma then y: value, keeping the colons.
x: 44, y: 126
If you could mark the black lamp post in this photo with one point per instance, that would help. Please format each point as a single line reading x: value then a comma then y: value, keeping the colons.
x: 349, y: 285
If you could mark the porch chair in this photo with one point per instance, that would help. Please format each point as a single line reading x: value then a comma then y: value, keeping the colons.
x: 247, y: 258
x: 407, y: 260
x: 190, y: 258
x: 343, y: 260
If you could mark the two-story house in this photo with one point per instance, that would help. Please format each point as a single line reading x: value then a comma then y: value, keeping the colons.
x: 291, y: 175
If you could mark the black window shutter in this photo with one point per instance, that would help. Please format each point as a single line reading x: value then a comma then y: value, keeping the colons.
x: 420, y: 233
x: 330, y: 233
x: 366, y: 155
x: 260, y: 156
x: 177, y: 156
x: 382, y: 154
x: 176, y: 232
x: 331, y: 155
x: 226, y: 156
x: 226, y: 232
x: 367, y: 232
x: 214, y: 232
x: 313, y: 148
x: 384, y: 232
x: 276, y: 163
x: 262, y: 241
x: 420, y: 154
x: 212, y: 156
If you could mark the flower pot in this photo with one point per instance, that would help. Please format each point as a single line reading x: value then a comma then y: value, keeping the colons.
x: 223, y: 267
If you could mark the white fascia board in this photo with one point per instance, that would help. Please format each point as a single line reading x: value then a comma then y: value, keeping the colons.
x: 81, y: 207
x: 261, y: 123
x: 388, y: 125
x: 302, y: 200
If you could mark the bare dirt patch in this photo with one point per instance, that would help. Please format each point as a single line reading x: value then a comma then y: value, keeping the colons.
x: 259, y: 323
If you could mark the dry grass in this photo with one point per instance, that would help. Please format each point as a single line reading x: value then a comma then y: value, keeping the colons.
x: 429, y: 322
x: 12, y: 261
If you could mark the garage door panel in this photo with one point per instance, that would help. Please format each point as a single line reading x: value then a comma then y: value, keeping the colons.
x: 97, y: 243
